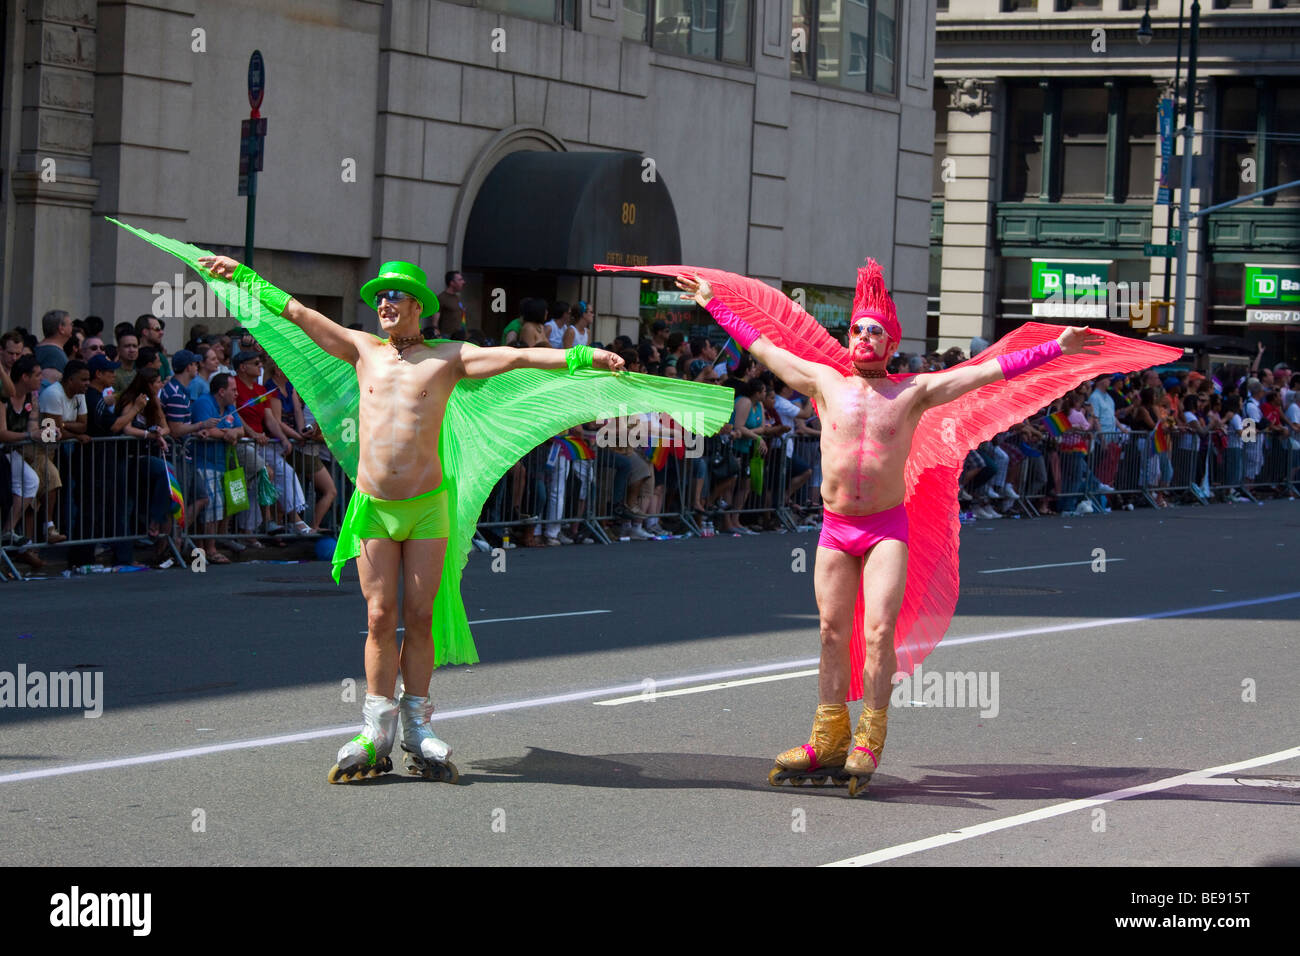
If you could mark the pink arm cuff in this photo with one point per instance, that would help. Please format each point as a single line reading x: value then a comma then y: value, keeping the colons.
x: 740, y: 330
x: 1015, y: 363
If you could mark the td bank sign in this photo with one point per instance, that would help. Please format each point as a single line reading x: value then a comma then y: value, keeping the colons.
x: 1070, y: 288
x: 1271, y: 294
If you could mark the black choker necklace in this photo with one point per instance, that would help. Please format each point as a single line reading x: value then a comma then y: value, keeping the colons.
x: 400, y: 342
x: 873, y: 373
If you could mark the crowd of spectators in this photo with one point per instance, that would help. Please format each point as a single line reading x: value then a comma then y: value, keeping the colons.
x: 220, y: 405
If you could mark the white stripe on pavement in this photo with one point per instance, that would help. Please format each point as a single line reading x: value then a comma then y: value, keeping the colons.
x: 601, y: 692
x: 526, y: 617
x: 1194, y: 778
x: 1035, y: 567
x: 650, y: 688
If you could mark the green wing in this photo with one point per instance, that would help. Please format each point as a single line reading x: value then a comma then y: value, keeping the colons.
x: 489, y: 425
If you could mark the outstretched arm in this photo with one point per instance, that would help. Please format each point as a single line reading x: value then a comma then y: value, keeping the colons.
x: 479, y: 362
x: 329, y: 335
x: 803, y: 375
x: 942, y: 387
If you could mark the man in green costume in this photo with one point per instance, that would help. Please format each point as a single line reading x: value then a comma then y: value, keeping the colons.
x: 425, y: 429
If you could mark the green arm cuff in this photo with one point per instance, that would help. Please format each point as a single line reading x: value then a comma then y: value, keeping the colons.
x: 276, y: 300
x: 578, y: 357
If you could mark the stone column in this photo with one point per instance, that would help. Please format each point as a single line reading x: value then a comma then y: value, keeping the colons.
x: 52, y: 185
x: 967, y: 296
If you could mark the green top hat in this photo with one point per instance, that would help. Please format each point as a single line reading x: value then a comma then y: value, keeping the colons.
x: 404, y: 277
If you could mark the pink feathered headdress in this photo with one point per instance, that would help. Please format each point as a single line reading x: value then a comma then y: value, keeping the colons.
x: 872, y: 298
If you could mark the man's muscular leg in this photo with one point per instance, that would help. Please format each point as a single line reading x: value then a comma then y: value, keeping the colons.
x: 884, y: 579
x: 422, y: 574
x: 378, y: 566
x: 836, y: 580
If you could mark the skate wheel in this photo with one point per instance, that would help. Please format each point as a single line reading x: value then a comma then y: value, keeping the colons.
x: 774, y: 777
x: 818, y: 781
x: 449, y: 773
x: 858, y: 785
x: 335, y: 774
x: 798, y: 781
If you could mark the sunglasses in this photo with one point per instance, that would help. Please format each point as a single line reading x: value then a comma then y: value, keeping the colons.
x: 872, y: 329
x: 393, y: 295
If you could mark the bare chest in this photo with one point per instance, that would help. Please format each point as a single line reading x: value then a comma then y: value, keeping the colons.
x: 857, y: 414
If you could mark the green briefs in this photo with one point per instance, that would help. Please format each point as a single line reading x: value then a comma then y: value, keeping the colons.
x: 421, y: 517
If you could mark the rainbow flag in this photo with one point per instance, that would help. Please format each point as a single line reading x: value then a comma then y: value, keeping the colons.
x: 178, y: 501
x: 575, y: 449
x: 1161, y: 438
x: 264, y: 397
x: 659, y: 457
x: 1058, y: 424
x: 732, y: 353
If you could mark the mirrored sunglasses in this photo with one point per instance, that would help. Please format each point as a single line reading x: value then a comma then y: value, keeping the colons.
x: 393, y: 295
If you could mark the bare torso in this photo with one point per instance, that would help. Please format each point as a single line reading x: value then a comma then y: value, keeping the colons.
x: 403, y: 400
x: 867, y: 429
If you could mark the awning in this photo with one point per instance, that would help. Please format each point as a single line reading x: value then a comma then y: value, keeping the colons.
x: 1218, y: 344
x: 562, y: 212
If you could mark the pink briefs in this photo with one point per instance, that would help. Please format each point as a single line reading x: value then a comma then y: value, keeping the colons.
x: 858, y: 534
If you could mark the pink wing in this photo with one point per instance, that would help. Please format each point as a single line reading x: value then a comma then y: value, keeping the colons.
x: 769, y: 310
x: 942, y: 440
x: 939, y: 447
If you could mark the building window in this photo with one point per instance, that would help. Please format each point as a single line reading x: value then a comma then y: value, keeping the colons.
x: 1084, y: 113
x: 855, y: 43
x: 1024, y: 178
x: 1064, y: 5
x: 1285, y: 154
x: 1257, y: 148
x: 1077, y: 143
x: 1140, y: 134
x: 691, y: 27
x: 548, y: 11
x: 1019, y: 6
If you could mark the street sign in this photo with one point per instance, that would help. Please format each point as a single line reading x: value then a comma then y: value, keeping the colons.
x: 1165, y: 124
x: 256, y: 81
x: 1151, y: 249
x: 1175, y: 235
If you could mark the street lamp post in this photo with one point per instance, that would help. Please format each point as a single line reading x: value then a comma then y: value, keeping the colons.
x: 1185, y: 199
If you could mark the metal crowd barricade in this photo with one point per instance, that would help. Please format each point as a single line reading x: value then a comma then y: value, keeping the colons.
x: 105, y: 491
x: 807, y: 497
x: 1269, y: 462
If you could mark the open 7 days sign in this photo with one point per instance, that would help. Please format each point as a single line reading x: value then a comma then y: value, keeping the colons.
x: 1272, y: 294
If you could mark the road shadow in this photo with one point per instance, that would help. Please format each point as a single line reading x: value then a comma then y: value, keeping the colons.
x: 963, y: 786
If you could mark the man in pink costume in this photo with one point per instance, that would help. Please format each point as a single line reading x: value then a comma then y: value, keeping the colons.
x: 886, y: 574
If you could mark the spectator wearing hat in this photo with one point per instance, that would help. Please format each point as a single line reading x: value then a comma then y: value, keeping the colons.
x: 263, y: 417
x: 210, y: 457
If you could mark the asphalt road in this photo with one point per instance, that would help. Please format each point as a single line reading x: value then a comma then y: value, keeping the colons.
x: 1121, y: 685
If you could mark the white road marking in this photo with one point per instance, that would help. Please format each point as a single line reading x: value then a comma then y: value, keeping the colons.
x: 647, y: 695
x: 1035, y: 567
x: 1113, y: 621
x: 601, y: 692
x: 526, y: 617
x: 1194, y: 778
